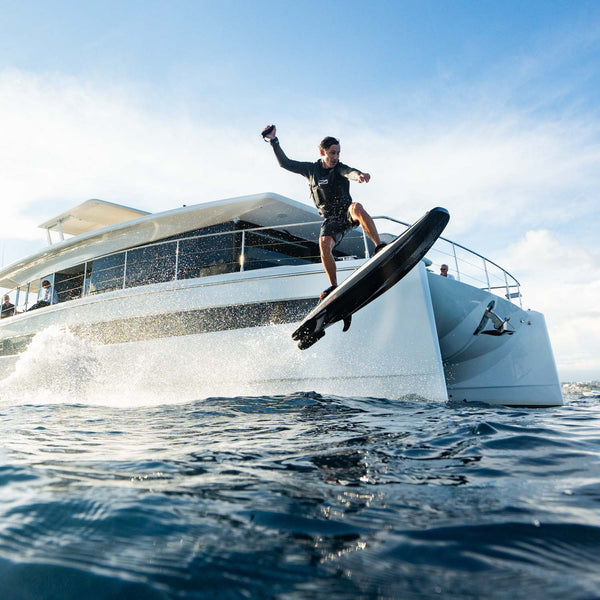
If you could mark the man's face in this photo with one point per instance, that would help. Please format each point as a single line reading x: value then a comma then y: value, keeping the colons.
x: 331, y: 156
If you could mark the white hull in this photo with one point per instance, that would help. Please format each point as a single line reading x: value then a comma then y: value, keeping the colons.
x: 516, y: 369
x: 415, y: 340
x: 390, y: 351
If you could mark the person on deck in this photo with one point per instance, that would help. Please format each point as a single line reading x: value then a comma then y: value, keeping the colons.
x: 50, y: 296
x: 8, y: 308
x: 444, y: 272
x: 329, y: 181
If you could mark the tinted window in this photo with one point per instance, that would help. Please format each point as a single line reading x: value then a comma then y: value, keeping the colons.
x: 69, y: 283
x: 153, y: 264
x: 105, y: 274
x: 208, y: 256
x: 220, y: 228
x: 275, y: 249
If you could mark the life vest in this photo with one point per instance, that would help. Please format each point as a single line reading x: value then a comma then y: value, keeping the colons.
x: 330, y: 190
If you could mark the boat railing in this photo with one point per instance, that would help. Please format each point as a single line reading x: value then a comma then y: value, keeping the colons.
x: 182, y: 258
x: 469, y: 266
x: 249, y: 248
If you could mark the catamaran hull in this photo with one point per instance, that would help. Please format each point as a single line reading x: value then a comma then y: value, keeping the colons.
x: 512, y: 366
x: 230, y: 335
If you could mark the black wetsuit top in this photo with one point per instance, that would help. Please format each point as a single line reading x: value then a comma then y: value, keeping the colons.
x: 330, y: 188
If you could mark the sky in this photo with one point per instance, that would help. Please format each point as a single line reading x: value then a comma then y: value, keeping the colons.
x: 488, y: 108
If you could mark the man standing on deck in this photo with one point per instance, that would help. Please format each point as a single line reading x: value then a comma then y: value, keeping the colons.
x: 329, y: 181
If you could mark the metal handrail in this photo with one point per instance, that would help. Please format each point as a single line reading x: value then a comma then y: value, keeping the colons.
x: 454, y: 244
x: 508, y: 286
x: 241, y: 261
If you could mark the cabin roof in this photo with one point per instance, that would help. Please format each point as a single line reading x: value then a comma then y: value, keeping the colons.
x: 91, y: 215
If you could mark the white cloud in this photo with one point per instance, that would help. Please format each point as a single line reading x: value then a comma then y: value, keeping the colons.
x: 562, y: 281
x: 66, y: 141
x: 492, y: 172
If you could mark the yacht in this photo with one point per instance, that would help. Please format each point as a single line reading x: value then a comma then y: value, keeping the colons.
x: 208, y: 296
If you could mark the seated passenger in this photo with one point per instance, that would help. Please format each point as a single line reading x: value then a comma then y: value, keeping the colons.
x: 444, y: 272
x: 8, y: 309
x: 50, y: 296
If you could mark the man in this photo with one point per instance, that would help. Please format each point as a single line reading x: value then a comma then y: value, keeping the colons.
x: 50, y: 296
x: 8, y: 309
x: 329, y: 181
x: 444, y: 272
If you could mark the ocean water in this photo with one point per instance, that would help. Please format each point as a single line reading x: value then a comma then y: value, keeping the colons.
x: 293, y: 497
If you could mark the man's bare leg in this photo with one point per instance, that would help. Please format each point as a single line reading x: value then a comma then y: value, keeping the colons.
x: 358, y: 213
x: 326, y: 246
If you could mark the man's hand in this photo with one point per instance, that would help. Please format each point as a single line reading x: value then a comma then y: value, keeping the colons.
x: 269, y: 132
x: 364, y: 178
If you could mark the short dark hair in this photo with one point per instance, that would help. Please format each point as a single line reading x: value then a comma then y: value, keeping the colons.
x: 328, y: 141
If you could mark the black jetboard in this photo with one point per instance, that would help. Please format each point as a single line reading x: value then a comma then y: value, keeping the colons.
x: 373, y: 278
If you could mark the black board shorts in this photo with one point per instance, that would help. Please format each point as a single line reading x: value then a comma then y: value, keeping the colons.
x: 337, y: 226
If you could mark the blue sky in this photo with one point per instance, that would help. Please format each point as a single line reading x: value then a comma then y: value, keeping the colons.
x: 487, y: 108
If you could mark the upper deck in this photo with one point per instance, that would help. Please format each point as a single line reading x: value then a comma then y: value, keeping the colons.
x: 102, y: 228
x: 238, y: 234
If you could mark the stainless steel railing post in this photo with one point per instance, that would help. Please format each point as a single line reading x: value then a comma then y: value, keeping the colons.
x: 366, y: 243
x: 455, y: 261
x: 243, y: 252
